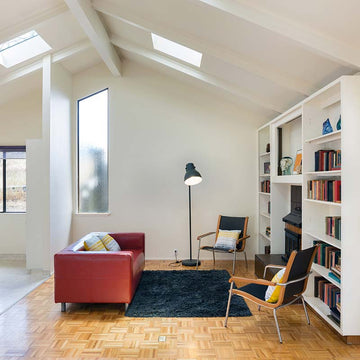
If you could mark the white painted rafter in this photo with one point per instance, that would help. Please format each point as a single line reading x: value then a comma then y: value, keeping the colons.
x: 95, y: 30
x: 37, y: 65
x: 197, y: 74
x: 315, y: 41
x: 250, y: 65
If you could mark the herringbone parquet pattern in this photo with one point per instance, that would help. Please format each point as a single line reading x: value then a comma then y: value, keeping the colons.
x: 35, y: 328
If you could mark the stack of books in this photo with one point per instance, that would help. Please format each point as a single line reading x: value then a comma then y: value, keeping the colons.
x: 333, y: 226
x: 326, y: 291
x: 265, y: 186
x: 327, y: 160
x: 324, y: 190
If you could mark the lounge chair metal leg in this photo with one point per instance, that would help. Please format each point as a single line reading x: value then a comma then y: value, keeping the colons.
x: 214, y: 258
x: 234, y: 261
x: 126, y: 306
x: 306, y: 313
x: 246, y: 261
x: 197, y: 261
x: 228, y: 304
x: 277, y: 326
x: 63, y: 307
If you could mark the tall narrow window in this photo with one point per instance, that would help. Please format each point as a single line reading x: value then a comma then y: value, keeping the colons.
x: 13, y: 179
x: 93, y: 153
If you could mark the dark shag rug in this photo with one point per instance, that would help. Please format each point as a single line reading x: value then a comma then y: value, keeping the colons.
x: 185, y: 293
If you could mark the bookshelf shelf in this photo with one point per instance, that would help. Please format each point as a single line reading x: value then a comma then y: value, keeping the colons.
x: 264, y: 175
x: 324, y: 238
x: 323, y: 310
x: 324, y: 272
x: 287, y: 179
x: 264, y: 193
x: 324, y: 173
x: 320, y: 202
x: 264, y: 154
x: 336, y: 135
x: 265, y: 215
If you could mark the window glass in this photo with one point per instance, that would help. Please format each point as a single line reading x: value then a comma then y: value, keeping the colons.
x: 15, y: 185
x: 1, y: 186
x: 93, y: 153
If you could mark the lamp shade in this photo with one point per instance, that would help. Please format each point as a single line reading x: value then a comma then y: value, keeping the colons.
x: 192, y: 176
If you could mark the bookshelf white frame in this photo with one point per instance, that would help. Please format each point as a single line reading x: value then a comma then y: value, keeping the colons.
x: 341, y: 96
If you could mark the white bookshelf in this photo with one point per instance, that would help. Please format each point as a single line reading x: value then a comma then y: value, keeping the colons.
x: 340, y: 97
x: 263, y: 218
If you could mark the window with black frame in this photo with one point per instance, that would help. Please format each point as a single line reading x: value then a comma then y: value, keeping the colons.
x: 12, y: 179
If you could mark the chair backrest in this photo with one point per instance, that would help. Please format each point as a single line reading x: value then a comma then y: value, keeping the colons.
x: 233, y: 223
x: 299, y: 265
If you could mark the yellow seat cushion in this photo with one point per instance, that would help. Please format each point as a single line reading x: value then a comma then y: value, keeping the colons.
x: 93, y: 243
x: 273, y: 292
x: 110, y: 243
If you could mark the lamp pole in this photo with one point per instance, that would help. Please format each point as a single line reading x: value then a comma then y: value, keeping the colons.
x: 192, y: 177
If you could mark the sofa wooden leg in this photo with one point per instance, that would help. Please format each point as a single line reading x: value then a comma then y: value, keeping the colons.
x: 63, y: 307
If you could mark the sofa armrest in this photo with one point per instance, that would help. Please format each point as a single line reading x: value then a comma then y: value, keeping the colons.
x: 130, y: 241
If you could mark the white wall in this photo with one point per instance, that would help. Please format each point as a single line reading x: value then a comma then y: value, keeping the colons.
x: 20, y: 119
x: 157, y: 125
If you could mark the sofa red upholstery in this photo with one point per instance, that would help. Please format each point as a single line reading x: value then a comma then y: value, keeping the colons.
x: 97, y: 276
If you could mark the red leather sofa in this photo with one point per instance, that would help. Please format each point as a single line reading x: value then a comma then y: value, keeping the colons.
x: 99, y: 277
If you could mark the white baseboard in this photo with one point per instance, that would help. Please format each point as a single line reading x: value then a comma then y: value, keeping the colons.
x: 13, y: 257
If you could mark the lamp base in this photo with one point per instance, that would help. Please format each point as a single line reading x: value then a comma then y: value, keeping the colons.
x: 190, y: 262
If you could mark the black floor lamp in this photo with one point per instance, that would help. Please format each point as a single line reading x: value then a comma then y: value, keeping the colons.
x: 192, y: 177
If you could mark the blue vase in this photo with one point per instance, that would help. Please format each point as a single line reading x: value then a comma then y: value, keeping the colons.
x: 338, y: 124
x: 327, y: 128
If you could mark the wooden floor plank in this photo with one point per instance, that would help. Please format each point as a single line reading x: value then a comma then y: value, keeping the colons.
x: 35, y: 328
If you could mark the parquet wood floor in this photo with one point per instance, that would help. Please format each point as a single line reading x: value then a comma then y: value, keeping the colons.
x: 35, y: 328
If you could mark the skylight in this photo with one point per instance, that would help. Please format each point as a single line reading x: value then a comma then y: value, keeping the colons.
x: 22, y: 48
x: 176, y: 50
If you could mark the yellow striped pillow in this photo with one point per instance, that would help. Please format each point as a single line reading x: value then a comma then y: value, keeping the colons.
x: 93, y: 243
x: 273, y: 292
x: 226, y: 239
x: 110, y: 243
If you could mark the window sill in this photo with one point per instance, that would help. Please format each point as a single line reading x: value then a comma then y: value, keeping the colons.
x: 13, y: 213
x: 93, y: 214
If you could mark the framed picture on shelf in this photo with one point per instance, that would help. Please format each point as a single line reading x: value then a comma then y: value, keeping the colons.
x: 266, y: 167
x: 298, y: 163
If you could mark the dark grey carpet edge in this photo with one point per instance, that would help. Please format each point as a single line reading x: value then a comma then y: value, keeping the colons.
x: 185, y: 293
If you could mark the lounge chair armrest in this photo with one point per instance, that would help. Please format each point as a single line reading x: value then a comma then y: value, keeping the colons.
x: 207, y: 234
x: 272, y: 266
x: 294, y: 281
x: 251, y: 281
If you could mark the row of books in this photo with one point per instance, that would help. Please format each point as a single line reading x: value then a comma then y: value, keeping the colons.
x: 265, y: 186
x: 327, y: 292
x: 327, y: 160
x: 324, y: 190
x: 333, y: 226
x: 327, y: 255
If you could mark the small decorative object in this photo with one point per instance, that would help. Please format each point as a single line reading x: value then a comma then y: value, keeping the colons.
x: 298, y: 163
x: 285, y: 165
x: 327, y: 128
x: 268, y: 231
x: 269, y: 208
x: 266, y: 168
x: 267, y: 148
x: 267, y: 249
x: 338, y: 124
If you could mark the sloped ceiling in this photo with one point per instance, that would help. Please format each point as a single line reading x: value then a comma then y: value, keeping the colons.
x: 266, y: 55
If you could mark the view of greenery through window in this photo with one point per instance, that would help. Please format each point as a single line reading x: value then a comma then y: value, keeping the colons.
x: 93, y: 153
x: 14, y: 166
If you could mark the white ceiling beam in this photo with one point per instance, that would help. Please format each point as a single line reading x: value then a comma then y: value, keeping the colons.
x: 37, y: 65
x: 188, y: 70
x: 9, y: 32
x: 317, y: 42
x: 95, y: 30
x: 250, y: 65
